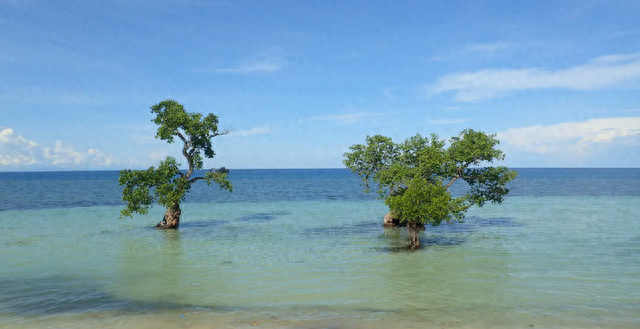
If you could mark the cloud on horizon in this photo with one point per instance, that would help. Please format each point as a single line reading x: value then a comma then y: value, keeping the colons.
x: 599, y: 73
x: 16, y: 150
x: 570, y: 139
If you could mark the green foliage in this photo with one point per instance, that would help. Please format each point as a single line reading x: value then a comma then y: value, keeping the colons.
x: 219, y: 177
x: 142, y: 187
x: 371, y: 159
x: 167, y: 184
x: 416, y: 175
x: 421, y: 201
x: 194, y: 130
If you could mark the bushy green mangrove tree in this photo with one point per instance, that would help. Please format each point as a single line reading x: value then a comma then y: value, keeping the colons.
x: 416, y: 176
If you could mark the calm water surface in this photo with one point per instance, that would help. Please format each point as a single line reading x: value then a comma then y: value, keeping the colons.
x: 305, y: 249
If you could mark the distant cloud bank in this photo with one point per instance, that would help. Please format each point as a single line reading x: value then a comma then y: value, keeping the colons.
x: 16, y: 150
x: 571, y: 138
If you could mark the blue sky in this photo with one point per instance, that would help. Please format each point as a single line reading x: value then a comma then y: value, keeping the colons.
x: 300, y: 81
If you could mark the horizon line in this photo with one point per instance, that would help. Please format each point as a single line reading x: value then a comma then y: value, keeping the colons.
x: 316, y: 168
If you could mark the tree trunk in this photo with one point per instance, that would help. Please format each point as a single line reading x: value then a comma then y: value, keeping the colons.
x: 171, y: 218
x: 389, y: 220
x: 414, y: 231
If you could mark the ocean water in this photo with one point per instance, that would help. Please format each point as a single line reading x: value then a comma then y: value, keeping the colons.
x: 305, y: 249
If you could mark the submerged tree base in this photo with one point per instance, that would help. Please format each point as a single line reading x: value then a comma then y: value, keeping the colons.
x: 414, y: 234
x: 171, y: 218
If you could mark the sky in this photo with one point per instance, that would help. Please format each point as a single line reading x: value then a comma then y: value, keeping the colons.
x: 298, y: 82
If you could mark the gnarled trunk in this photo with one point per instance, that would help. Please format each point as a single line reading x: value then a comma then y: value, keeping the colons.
x: 390, y: 221
x: 414, y: 237
x: 171, y: 218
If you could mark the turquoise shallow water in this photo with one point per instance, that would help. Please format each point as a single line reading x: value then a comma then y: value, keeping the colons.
x: 312, y: 259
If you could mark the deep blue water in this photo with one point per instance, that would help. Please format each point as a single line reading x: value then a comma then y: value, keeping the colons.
x: 42, y: 190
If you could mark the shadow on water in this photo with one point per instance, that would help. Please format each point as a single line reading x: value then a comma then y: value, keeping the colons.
x: 200, y: 224
x: 398, y: 241
x: 262, y: 217
x: 347, y: 230
x: 495, y: 222
x: 444, y: 235
x: 147, y: 276
x: 55, y: 295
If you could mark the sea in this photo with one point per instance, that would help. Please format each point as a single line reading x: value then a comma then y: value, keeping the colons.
x: 306, y: 249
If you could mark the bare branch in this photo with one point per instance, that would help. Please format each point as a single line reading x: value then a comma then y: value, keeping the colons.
x: 184, y: 140
x: 188, y: 156
x: 451, y: 182
x: 468, y: 206
x: 194, y: 179
x: 225, y: 131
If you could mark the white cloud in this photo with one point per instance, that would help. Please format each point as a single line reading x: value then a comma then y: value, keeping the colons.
x: 599, y: 73
x: 133, y: 161
x: 447, y: 121
x: 264, y: 129
x: 63, y: 154
x: 347, y: 118
x: 452, y: 108
x: 570, y: 138
x: 16, y: 150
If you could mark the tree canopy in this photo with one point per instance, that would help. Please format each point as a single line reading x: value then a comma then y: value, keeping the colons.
x: 167, y: 184
x: 417, y: 174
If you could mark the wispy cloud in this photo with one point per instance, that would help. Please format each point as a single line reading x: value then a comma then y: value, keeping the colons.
x: 451, y: 108
x: 599, y: 73
x: 483, y: 48
x: 390, y: 93
x: 256, y: 67
x: 16, y: 150
x: 613, y: 59
x: 625, y: 33
x: 489, y: 47
x: 570, y: 138
x: 52, y: 96
x: 16, y: 3
x: 259, y: 130
x: 348, y: 118
x: 447, y: 121
x: 267, y: 61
